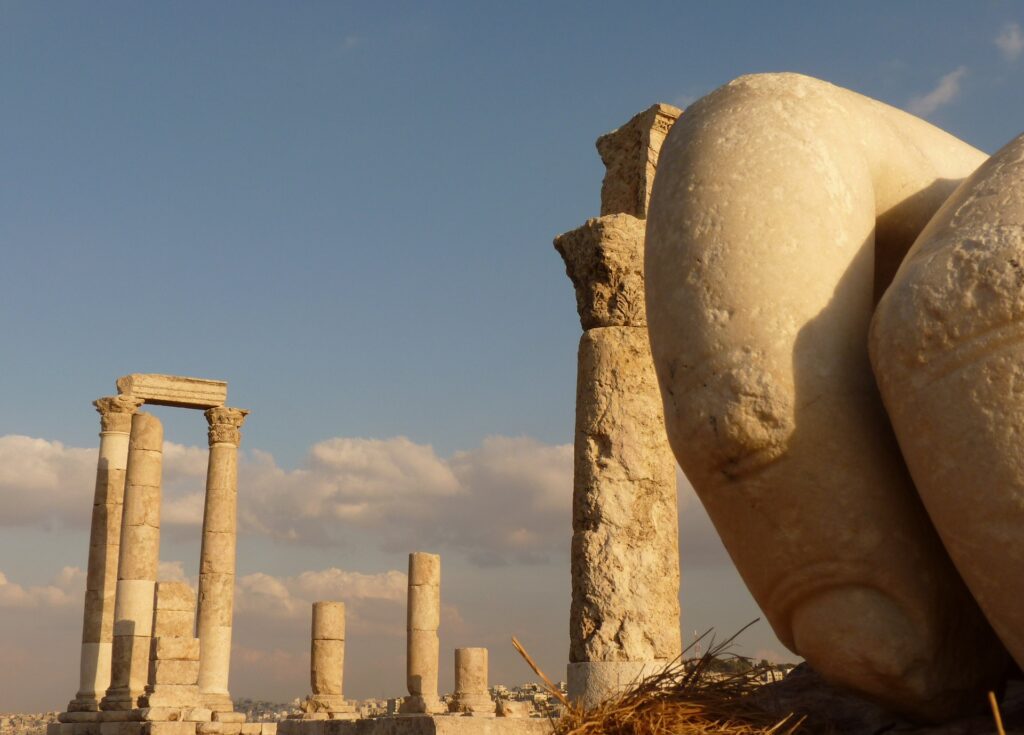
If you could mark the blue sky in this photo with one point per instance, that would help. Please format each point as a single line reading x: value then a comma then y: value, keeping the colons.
x: 346, y: 211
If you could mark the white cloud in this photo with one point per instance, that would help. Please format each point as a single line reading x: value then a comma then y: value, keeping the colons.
x: 1010, y: 41
x: 66, y: 589
x: 944, y: 92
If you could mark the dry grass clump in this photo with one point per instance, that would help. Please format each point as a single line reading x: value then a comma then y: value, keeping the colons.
x: 697, y: 696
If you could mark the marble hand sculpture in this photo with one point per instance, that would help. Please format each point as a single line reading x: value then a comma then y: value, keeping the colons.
x: 835, y: 303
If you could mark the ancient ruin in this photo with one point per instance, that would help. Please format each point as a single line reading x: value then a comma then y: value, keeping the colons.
x: 624, y: 621
x: 142, y: 666
x: 782, y: 208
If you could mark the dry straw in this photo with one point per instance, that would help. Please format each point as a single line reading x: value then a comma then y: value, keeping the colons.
x: 688, y: 697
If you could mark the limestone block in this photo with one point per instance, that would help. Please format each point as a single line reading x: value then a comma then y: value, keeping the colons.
x: 174, y: 672
x: 218, y: 555
x: 139, y: 552
x: 268, y: 728
x: 133, y: 611
x: 511, y: 708
x: 210, y: 728
x: 252, y: 728
x: 173, y: 624
x: 329, y: 621
x: 630, y: 155
x: 216, y: 599
x: 625, y: 569
x: 947, y: 345
x: 174, y: 390
x: 198, y: 714
x: 145, y: 467
x: 121, y: 728
x: 327, y: 665
x: 147, y: 434
x: 778, y: 201
x: 604, y: 259
x: 424, y: 568
x: 180, y: 696
x: 470, y: 670
x: 421, y: 662
x: 215, y: 659
x: 169, y: 728
x: 177, y: 596
x: 221, y: 512
x: 424, y: 607
x: 228, y: 717
x: 176, y: 649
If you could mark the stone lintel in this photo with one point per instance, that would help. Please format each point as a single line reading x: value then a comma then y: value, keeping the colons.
x: 174, y: 390
x: 604, y: 259
x: 630, y: 155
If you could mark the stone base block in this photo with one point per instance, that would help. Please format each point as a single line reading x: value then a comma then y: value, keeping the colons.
x: 176, y: 714
x: 419, y: 705
x: 227, y: 715
x: 174, y: 696
x: 80, y: 716
x: 480, y: 705
x: 84, y: 704
x: 592, y: 682
x: 329, y: 703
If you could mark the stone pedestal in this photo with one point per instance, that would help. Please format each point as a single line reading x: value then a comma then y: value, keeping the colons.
x: 104, y: 544
x: 172, y: 692
x: 217, y: 557
x: 137, y: 565
x: 471, y: 694
x: 624, y: 618
x: 422, y: 647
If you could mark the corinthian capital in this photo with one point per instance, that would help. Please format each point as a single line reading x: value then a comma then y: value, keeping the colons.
x: 116, y: 412
x: 225, y: 424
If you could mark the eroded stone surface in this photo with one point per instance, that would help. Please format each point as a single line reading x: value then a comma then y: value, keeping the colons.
x: 775, y: 197
x: 174, y: 390
x: 948, y: 350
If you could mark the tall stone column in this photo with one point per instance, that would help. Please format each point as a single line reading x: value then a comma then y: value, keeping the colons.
x: 423, y: 620
x: 624, y: 618
x: 217, y: 557
x: 137, y: 565
x: 104, y: 544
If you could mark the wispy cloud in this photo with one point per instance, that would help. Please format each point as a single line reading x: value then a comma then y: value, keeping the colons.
x: 944, y: 92
x: 1010, y: 41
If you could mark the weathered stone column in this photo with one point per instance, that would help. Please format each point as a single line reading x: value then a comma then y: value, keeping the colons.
x: 104, y: 544
x: 137, y: 565
x: 624, y: 619
x: 217, y: 557
x: 471, y: 694
x: 327, y: 661
x: 423, y: 620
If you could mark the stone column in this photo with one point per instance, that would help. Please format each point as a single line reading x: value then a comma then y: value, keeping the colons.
x: 104, y: 543
x: 471, y: 694
x: 137, y: 565
x: 327, y: 660
x: 423, y: 620
x: 624, y: 618
x: 217, y: 557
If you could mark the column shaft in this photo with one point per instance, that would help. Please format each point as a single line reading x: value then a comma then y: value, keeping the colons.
x: 422, y: 648
x: 104, y: 544
x: 217, y: 557
x: 137, y: 565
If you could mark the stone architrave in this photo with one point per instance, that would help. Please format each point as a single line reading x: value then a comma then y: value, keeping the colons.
x: 780, y: 200
x: 217, y: 557
x: 624, y: 618
x: 104, y: 544
x: 423, y: 621
x: 471, y: 694
x: 174, y: 390
x: 137, y: 565
x: 327, y: 661
x: 173, y: 691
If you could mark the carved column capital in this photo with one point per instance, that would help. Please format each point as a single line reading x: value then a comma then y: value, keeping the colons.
x: 225, y: 424
x: 116, y: 412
